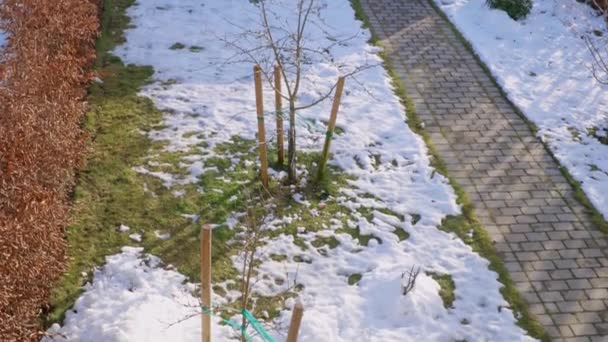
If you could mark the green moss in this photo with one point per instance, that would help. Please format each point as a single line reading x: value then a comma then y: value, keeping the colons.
x: 446, y: 288
x: 467, y: 222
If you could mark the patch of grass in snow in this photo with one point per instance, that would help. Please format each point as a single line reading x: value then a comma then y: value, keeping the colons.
x: 354, y: 278
x: 481, y: 242
x: 364, y: 19
x: 576, y: 135
x: 516, y: 9
x: 579, y: 194
x: 196, y: 48
x: 321, y: 241
x: 177, y: 46
x: 602, y: 138
x: 415, y: 218
x: 446, y: 288
x: 462, y: 224
x: 597, y: 218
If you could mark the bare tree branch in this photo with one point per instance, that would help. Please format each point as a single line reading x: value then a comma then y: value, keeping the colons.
x: 331, y: 90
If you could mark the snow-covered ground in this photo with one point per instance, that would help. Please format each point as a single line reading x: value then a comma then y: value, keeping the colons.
x: 544, y: 66
x: 132, y: 300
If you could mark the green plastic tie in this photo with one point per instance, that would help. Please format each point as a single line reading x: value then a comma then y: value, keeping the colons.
x: 234, y: 325
x: 257, y: 326
x: 260, y: 118
x: 329, y: 134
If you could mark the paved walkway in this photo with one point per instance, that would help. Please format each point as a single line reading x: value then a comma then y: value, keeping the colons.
x: 558, y: 260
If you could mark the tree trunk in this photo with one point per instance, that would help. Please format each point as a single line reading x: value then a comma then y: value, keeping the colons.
x: 291, y: 140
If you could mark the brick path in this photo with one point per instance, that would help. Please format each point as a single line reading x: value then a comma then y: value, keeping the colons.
x: 558, y: 260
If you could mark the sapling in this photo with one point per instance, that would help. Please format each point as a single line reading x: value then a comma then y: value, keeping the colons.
x: 282, y: 47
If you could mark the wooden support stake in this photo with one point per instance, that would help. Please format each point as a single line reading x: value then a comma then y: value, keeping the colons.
x: 278, y: 105
x: 206, y: 280
x: 296, y: 319
x: 259, y: 100
x: 330, y: 127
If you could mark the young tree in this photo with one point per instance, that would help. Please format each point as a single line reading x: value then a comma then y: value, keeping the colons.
x: 278, y: 41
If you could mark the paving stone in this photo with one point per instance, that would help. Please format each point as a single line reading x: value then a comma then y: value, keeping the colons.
x: 588, y: 317
x: 557, y: 258
x: 583, y: 329
x: 574, y: 295
x: 569, y: 307
x: 593, y: 305
x: 556, y: 285
x: 551, y: 296
x: 561, y: 274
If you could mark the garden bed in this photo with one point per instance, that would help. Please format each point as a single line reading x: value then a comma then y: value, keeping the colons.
x: 184, y: 154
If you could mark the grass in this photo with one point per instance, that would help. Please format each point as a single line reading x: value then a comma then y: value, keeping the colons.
x: 446, y: 288
x: 596, y: 217
x: 516, y: 9
x: 110, y: 193
x: 177, y: 46
x: 462, y: 224
x: 196, y: 48
x: 354, y: 278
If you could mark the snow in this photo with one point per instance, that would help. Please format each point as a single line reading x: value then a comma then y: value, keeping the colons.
x: 544, y: 66
x: 135, y: 237
x: 386, y: 159
x: 141, y: 302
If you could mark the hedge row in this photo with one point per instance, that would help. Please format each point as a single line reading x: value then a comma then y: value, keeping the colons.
x: 44, y: 72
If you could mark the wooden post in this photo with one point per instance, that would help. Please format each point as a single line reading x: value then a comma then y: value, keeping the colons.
x: 206, y: 280
x: 259, y: 100
x: 278, y: 106
x: 330, y: 127
x: 296, y: 319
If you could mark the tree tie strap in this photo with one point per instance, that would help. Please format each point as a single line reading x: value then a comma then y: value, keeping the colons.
x: 255, y: 324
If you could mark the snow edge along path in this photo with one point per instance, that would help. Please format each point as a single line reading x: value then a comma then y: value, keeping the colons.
x: 129, y: 298
x: 544, y: 67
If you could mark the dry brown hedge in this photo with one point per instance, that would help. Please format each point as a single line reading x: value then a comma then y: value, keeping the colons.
x: 43, y: 79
